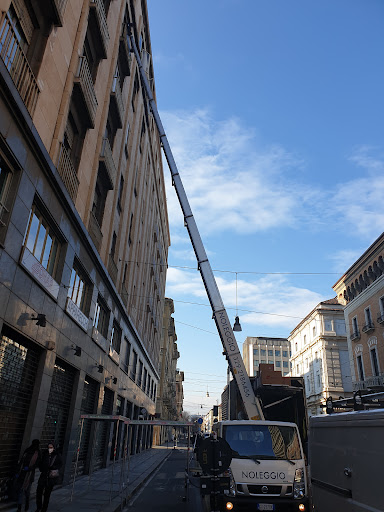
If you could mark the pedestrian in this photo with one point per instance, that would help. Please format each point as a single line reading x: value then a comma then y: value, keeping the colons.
x: 49, y: 466
x: 26, y: 473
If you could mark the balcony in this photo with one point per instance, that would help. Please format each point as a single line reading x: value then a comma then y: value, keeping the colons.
x: 112, y: 268
x: 106, y: 160
x: 67, y: 172
x: 124, y: 52
x: 95, y: 231
x: 84, y: 86
x: 116, y: 105
x: 380, y: 318
x: 368, y: 327
x: 355, y: 336
x: 98, y: 22
x: 17, y: 64
x: 369, y: 383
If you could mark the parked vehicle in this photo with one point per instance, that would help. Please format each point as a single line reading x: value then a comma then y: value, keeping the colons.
x: 347, y: 452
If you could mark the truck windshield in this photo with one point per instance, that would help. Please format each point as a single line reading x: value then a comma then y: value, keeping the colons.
x: 263, y: 442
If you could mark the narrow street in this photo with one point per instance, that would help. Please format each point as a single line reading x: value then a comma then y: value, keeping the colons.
x: 166, y: 491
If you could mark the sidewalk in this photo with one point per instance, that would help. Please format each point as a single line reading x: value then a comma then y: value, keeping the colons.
x: 106, y: 490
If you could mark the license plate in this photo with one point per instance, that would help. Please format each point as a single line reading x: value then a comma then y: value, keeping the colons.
x: 265, y: 506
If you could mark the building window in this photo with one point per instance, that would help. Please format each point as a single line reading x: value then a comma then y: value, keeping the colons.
x: 368, y: 317
x: 318, y: 380
x: 120, y: 197
x: 374, y: 362
x: 132, y: 373
x: 5, y: 182
x: 263, y: 361
x: 328, y: 325
x: 305, y: 339
x: 381, y: 304
x: 277, y: 353
x: 262, y: 352
x: 308, y: 384
x: 285, y: 353
x: 285, y: 364
x: 270, y: 361
x: 355, y: 326
x: 127, y: 356
x: 270, y: 353
x: 113, y: 245
x: 296, y: 348
x: 297, y: 369
x: 41, y: 240
x: 101, y: 317
x: 278, y: 364
x: 101, y: 191
x: 115, y: 341
x: 255, y: 351
x: 314, y: 330
x: 360, y: 367
x: 78, y: 288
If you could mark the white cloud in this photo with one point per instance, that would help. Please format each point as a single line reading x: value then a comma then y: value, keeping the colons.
x: 268, y: 301
x: 230, y: 183
x: 359, y: 202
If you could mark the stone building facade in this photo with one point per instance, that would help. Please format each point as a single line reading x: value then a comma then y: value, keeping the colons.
x: 320, y: 355
x: 84, y: 230
x: 361, y: 291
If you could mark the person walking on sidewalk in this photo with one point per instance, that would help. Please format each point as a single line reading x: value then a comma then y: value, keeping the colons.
x: 26, y: 473
x: 50, y: 464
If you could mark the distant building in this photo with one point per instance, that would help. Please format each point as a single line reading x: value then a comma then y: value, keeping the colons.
x: 361, y: 291
x: 179, y: 393
x: 320, y: 354
x: 274, y: 351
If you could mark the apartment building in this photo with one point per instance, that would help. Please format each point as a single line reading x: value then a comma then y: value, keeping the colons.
x: 320, y: 355
x: 84, y: 231
x: 361, y: 291
x: 274, y: 351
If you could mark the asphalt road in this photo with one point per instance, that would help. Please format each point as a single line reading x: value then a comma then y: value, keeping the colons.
x: 166, y: 490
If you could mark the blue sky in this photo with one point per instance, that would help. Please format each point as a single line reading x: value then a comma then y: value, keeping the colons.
x: 274, y: 111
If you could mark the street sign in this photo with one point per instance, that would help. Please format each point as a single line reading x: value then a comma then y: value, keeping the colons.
x: 200, y: 421
x: 214, y: 455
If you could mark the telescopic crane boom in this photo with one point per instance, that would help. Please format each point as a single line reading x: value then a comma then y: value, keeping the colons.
x: 231, y: 350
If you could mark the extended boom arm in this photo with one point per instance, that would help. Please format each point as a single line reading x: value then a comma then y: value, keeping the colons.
x: 236, y: 364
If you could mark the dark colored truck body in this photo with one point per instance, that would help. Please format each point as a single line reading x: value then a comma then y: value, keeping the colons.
x: 281, y: 398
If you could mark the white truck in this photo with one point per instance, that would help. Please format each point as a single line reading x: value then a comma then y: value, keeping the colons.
x: 280, y: 465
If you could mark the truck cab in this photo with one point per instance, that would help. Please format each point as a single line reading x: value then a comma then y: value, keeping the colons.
x: 268, y: 470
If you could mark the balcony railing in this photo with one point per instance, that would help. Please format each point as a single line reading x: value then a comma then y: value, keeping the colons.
x: 112, y: 268
x: 84, y: 81
x: 67, y: 172
x: 17, y: 64
x: 106, y: 159
x: 380, y: 318
x: 125, y: 53
x: 369, y: 382
x: 95, y: 231
x: 117, y: 102
x: 368, y: 327
x: 355, y: 335
x: 98, y: 7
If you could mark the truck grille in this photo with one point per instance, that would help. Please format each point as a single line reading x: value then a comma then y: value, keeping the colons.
x: 258, y: 489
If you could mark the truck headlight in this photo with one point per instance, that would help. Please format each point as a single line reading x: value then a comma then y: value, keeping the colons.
x: 299, y: 484
x: 232, y: 483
